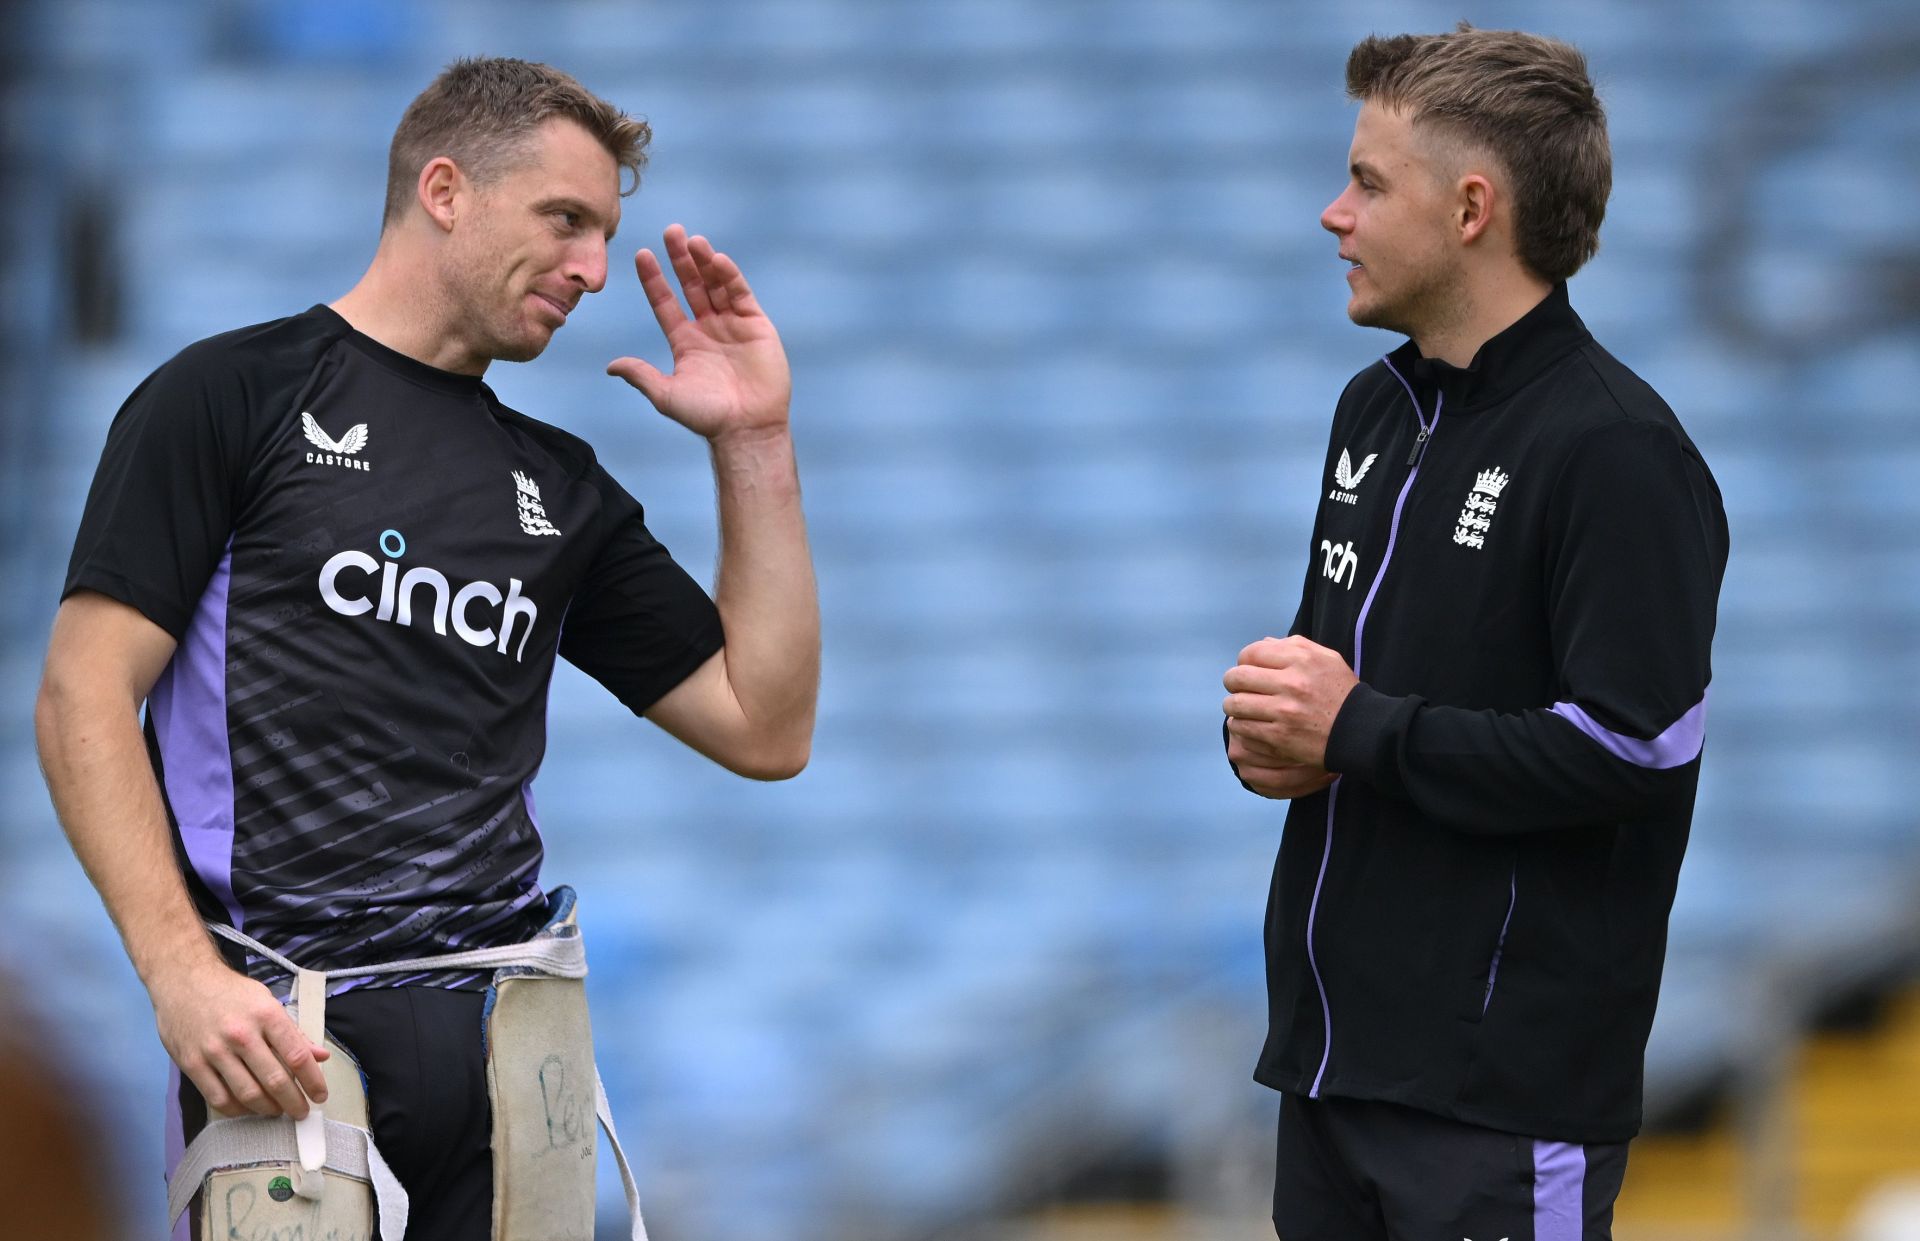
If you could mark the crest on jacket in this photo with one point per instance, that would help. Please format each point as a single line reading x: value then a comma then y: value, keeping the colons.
x: 1476, y: 517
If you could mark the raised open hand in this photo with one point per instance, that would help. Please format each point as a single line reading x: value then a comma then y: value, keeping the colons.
x: 729, y: 372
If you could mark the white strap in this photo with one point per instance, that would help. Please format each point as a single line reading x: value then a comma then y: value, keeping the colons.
x: 266, y: 1137
x: 246, y: 1140
x: 559, y: 957
x: 605, y: 1113
x: 310, y: 1134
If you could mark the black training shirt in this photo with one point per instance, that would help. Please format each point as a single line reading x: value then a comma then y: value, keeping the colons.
x: 369, y: 565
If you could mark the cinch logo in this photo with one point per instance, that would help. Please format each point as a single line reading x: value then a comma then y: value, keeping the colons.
x: 1341, y: 562
x: 399, y: 590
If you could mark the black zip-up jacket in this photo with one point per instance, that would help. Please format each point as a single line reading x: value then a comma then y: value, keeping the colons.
x: 1521, y: 561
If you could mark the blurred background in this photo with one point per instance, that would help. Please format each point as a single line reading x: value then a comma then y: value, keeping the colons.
x: 1066, y: 337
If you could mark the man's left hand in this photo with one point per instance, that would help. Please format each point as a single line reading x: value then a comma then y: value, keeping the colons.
x: 1282, y: 698
x: 730, y: 374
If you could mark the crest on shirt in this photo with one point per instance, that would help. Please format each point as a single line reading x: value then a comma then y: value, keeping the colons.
x: 533, y: 517
x: 1346, y: 479
x: 1476, y: 516
x: 342, y: 452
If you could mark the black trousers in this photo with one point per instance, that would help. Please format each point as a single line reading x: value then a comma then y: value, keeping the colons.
x: 426, y: 1074
x: 1359, y: 1170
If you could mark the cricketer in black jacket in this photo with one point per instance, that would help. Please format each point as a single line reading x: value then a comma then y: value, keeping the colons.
x: 1521, y: 562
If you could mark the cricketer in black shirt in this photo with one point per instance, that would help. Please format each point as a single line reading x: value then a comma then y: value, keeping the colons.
x: 369, y: 565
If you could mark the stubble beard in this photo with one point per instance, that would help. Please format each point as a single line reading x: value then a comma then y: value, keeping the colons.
x: 494, y: 321
x: 524, y: 350
x: 502, y: 330
x: 1433, y: 299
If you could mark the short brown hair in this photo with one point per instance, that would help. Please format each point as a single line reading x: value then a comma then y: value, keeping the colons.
x: 480, y: 114
x: 1527, y: 101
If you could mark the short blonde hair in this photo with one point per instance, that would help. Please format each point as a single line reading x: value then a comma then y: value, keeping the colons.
x: 481, y: 112
x: 1523, y: 98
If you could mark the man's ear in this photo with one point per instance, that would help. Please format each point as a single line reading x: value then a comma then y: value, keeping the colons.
x: 1473, y: 207
x: 440, y: 187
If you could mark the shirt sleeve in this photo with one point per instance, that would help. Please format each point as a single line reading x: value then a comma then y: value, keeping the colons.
x: 1637, y: 544
x: 160, y: 512
x: 639, y: 624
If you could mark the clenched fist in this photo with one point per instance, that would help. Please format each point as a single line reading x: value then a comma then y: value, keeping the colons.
x: 1282, y: 697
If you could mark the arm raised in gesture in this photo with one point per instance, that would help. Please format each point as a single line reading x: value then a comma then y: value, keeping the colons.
x: 751, y: 707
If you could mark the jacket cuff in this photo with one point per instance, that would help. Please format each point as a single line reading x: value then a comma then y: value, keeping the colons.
x: 1361, y: 742
x: 1226, y: 740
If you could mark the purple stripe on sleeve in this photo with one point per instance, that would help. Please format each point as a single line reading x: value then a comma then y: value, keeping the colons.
x: 1677, y: 746
x: 1559, y: 1185
x: 189, y: 710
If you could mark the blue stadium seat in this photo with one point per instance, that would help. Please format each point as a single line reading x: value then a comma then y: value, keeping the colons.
x: 1066, y: 332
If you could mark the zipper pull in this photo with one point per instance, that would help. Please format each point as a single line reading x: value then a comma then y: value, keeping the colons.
x: 1419, y: 442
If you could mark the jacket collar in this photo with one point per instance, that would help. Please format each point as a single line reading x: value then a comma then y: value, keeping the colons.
x: 1504, y: 365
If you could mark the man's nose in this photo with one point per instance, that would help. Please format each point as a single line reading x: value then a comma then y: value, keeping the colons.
x: 1336, y: 218
x: 588, y: 268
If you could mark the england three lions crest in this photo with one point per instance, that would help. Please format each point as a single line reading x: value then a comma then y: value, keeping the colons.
x: 1476, y: 516
x: 533, y: 516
